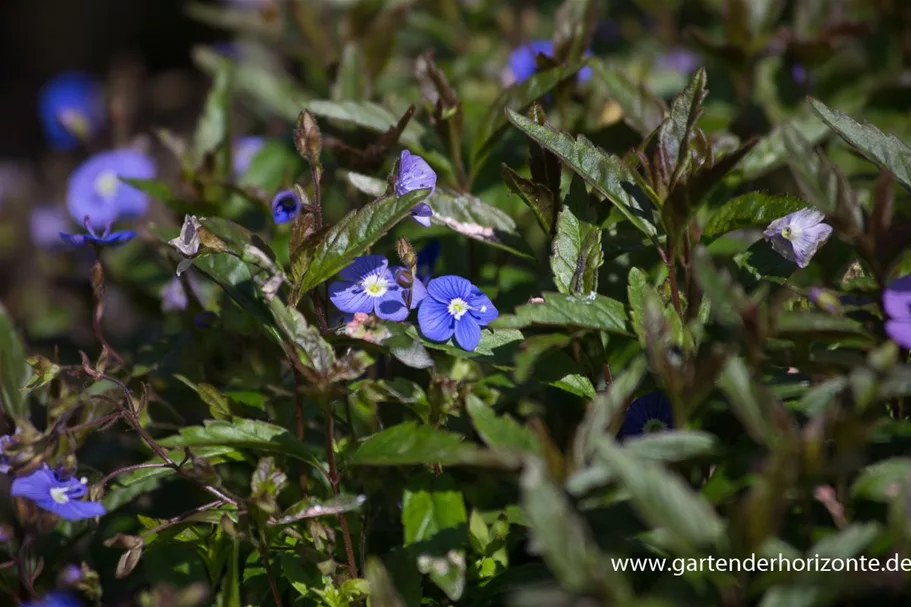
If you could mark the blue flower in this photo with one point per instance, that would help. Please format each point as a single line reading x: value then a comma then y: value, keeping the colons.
x: 522, y: 60
x: 245, y: 149
x: 91, y: 237
x: 678, y: 60
x: 649, y: 413
x: 369, y: 285
x: 57, y: 495
x: 285, y: 206
x: 96, y: 193
x: 46, y: 222
x: 798, y: 236
x: 416, y: 174
x: 71, y: 108
x: 56, y: 599
x: 455, y: 306
x: 71, y: 575
x: 427, y: 260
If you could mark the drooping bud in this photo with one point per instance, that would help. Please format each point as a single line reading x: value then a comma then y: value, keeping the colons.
x: 406, y: 253
x: 404, y: 278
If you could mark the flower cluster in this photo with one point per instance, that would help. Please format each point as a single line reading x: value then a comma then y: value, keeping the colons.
x: 448, y: 306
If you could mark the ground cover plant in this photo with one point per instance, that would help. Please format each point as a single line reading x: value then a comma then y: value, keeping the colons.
x: 467, y: 303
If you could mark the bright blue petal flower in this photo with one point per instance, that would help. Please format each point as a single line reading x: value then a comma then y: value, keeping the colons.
x: 245, y: 149
x: 285, y: 206
x: 522, y: 61
x: 370, y: 285
x: 105, y: 239
x: 446, y: 288
x: 467, y: 333
x: 60, y: 496
x: 71, y: 108
x: 95, y: 190
x: 455, y: 306
x: 436, y: 323
x: 416, y: 174
x: 56, y: 599
x: 649, y: 413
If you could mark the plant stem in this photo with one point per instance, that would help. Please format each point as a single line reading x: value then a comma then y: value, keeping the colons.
x: 264, y: 554
x: 97, y: 279
x: 126, y: 469
x: 334, y: 481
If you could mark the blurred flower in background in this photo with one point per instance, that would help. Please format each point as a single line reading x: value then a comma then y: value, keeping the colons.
x: 680, y: 60
x: 46, y: 222
x: 522, y: 61
x: 96, y: 192
x: 245, y: 149
x: 71, y: 107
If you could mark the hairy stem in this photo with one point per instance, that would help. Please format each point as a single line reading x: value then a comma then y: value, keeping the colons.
x: 97, y: 278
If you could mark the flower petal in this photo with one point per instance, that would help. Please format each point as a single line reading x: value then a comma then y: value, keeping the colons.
x: 482, y: 308
x: 418, y: 293
x: 897, y: 299
x: 285, y: 206
x: 467, y: 333
x: 414, y: 174
x: 806, y: 241
x: 349, y: 297
x: 35, y: 486
x: 76, y: 240
x: 364, y: 266
x: 391, y: 306
x: 73, y: 510
x: 435, y: 321
x: 446, y: 288
x: 900, y: 332
x: 116, y: 239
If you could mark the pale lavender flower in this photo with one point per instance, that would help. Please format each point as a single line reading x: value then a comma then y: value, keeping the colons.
x: 897, y: 304
x: 798, y: 236
x: 416, y: 174
x: 681, y: 60
x: 45, y: 224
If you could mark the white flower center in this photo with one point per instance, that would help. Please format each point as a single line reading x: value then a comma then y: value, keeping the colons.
x: 458, y: 307
x: 58, y: 494
x: 375, y: 285
x: 106, y: 185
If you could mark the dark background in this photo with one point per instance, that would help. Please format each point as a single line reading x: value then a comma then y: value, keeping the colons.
x: 42, y: 38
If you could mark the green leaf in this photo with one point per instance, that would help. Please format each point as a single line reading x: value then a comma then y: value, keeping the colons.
x: 576, y: 253
x: 219, y: 404
x: 593, y: 312
x: 538, y: 197
x: 409, y: 443
x: 809, y: 325
x: 563, y: 540
x: 334, y: 248
x: 771, y: 152
x: 367, y: 115
x: 533, y: 348
x: 751, y: 210
x: 230, y: 585
x: 14, y: 371
x: 272, y: 92
x: 642, y: 111
x: 311, y: 508
x: 883, y: 480
x: 213, y: 129
x: 675, y: 132
x: 500, y: 431
x: 474, y: 218
x: 821, y: 183
x: 250, y: 434
x: 496, y: 346
x: 351, y: 81
x: 608, y: 175
x: 516, y: 98
x: 382, y: 591
x: 882, y: 149
x: 463, y: 213
x: 662, y: 499
x: 848, y: 542
x: 749, y: 407
x: 274, y: 166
